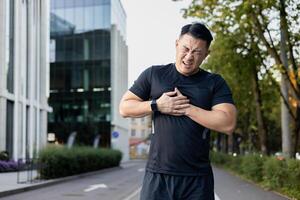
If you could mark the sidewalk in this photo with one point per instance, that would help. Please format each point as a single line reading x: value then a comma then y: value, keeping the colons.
x: 9, y: 181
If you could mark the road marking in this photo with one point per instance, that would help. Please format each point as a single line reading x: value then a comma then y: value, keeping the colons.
x: 141, y: 170
x: 95, y: 187
x: 133, y: 194
x: 217, y: 197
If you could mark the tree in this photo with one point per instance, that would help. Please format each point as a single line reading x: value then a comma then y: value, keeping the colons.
x: 256, y: 20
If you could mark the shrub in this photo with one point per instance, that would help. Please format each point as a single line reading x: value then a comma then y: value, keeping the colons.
x: 281, y: 175
x: 235, y: 163
x: 293, y: 168
x: 4, y: 156
x: 61, y: 161
x: 218, y: 158
x: 252, y: 167
x: 226, y: 160
x: 275, y: 172
x: 8, y: 166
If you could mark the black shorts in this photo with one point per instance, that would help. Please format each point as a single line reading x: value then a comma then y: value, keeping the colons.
x: 158, y: 186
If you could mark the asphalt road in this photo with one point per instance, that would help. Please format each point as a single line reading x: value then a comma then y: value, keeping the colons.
x: 125, y: 184
x: 229, y: 187
x: 117, y: 184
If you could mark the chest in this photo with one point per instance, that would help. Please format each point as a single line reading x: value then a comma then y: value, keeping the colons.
x: 198, y: 90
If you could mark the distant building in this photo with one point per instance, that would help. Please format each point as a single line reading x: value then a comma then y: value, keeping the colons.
x: 88, y: 55
x: 140, y: 133
x: 141, y: 127
x: 24, y: 76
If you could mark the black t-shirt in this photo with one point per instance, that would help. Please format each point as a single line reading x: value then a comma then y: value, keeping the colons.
x: 180, y: 146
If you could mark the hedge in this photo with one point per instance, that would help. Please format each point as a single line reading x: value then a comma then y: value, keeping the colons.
x: 280, y: 175
x: 57, y: 161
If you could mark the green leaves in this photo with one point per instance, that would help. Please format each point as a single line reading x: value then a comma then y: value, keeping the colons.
x: 238, y: 49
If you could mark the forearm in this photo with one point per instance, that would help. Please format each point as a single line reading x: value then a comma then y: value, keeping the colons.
x: 212, y: 119
x: 135, y: 108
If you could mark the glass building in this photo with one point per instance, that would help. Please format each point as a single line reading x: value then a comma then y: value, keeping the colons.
x: 88, y: 58
x: 24, y: 76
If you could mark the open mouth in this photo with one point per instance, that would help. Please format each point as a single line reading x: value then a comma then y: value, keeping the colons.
x: 187, y: 64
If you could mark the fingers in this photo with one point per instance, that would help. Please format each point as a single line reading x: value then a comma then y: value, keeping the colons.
x: 173, y: 93
x: 177, y: 91
x: 180, y: 111
x: 177, y: 112
x: 181, y: 106
x: 170, y: 94
x: 173, y: 103
x: 179, y: 98
x: 181, y: 101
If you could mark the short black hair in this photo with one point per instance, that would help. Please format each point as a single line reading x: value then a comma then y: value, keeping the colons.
x: 197, y: 30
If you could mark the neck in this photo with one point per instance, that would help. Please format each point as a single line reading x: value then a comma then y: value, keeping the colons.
x: 193, y: 72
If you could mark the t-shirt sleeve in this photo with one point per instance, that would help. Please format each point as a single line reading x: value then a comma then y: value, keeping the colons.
x: 142, y: 86
x: 221, y: 92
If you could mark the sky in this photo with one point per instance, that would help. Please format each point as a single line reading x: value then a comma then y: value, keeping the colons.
x: 152, y: 29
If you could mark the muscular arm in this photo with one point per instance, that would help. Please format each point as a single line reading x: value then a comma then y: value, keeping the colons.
x: 221, y: 118
x: 133, y: 106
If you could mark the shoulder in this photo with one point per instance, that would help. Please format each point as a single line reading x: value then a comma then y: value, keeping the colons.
x: 160, y: 71
x: 212, y: 77
x: 161, y: 68
x: 157, y: 68
x: 214, y: 80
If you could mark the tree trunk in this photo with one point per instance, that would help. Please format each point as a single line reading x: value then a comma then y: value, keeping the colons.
x: 285, y: 115
x: 259, y: 114
x: 230, y: 144
x: 285, y: 122
x: 224, y: 143
x: 219, y: 142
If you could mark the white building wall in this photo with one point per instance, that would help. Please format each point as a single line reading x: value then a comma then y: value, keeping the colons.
x: 31, y: 72
x: 119, y: 81
x: 2, y: 75
x: 118, y: 17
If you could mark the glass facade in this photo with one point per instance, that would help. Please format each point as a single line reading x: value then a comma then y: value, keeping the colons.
x: 9, y: 45
x: 80, y: 72
x: 9, y: 126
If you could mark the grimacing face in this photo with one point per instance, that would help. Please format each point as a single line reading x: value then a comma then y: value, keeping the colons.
x: 190, y: 53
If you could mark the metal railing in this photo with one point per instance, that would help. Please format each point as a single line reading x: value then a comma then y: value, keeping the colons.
x: 29, y: 170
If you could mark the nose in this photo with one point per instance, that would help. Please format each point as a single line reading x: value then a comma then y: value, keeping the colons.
x: 189, y: 55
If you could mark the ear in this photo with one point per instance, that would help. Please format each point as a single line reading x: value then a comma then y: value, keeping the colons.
x: 176, y: 43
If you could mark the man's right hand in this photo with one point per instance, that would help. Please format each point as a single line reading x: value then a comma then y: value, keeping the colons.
x: 172, y: 103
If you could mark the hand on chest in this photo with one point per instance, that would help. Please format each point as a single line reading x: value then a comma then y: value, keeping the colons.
x: 198, y: 94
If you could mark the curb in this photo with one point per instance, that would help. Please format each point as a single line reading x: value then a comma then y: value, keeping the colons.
x: 45, y: 183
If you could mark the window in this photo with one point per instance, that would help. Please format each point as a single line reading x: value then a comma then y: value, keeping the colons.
x: 133, y: 132
x: 27, y: 137
x: 80, y: 70
x: 9, y: 45
x: 9, y: 127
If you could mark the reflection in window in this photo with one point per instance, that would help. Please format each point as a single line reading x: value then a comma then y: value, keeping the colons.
x: 89, y: 18
x: 9, y: 126
x: 80, y: 67
x: 9, y: 45
x: 79, y: 19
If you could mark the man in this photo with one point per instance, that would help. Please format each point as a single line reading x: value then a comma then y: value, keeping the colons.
x: 186, y: 102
